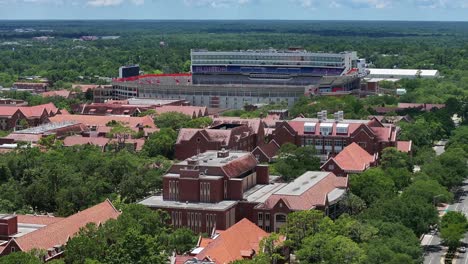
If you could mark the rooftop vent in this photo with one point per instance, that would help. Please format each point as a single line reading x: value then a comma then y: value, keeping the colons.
x: 223, y: 153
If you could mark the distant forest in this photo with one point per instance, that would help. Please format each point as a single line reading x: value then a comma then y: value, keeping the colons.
x: 164, y: 46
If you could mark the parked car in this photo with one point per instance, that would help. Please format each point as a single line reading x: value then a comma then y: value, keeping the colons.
x: 462, y: 249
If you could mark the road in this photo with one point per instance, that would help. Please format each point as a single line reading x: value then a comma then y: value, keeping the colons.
x: 462, y: 206
x: 435, y: 251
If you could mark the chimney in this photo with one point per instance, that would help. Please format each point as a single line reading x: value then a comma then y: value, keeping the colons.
x: 223, y: 153
x: 263, y: 175
x: 8, y: 226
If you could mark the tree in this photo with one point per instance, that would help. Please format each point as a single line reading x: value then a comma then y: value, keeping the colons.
x: 372, y: 185
x: 329, y: 248
x: 429, y: 190
x: 19, y: 258
x: 392, y: 158
x: 294, y: 161
x: 300, y: 225
x: 452, y: 234
x: 161, y: 143
x: 173, y: 120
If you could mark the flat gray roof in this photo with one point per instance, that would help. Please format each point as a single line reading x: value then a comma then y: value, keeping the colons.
x: 158, y: 202
x: 303, y: 183
x: 260, y: 193
x: 210, y: 158
x: 335, y: 195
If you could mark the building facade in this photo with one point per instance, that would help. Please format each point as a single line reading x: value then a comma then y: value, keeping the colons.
x: 330, y: 136
x: 216, y: 189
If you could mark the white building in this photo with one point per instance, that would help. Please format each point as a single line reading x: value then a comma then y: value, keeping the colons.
x: 402, y: 73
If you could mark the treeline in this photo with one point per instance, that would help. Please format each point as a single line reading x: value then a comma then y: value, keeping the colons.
x: 66, y: 180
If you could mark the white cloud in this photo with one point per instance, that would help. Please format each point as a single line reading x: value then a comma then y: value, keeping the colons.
x: 216, y: 3
x: 441, y: 3
x: 379, y: 4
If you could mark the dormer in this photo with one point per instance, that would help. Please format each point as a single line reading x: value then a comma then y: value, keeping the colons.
x: 326, y: 129
x: 309, y: 128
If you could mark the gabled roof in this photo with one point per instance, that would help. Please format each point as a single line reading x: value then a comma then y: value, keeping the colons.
x: 254, y: 123
x: 352, y: 158
x: 235, y: 243
x: 239, y: 166
x: 192, y: 111
x: 60, y: 232
x: 270, y: 150
x: 8, y: 110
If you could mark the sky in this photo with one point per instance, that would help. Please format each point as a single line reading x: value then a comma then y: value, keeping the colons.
x: 420, y: 10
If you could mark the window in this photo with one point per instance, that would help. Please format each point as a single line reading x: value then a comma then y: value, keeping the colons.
x: 362, y: 144
x: 260, y: 216
x: 331, y: 167
x: 328, y: 142
x: 319, y: 142
x: 13, y: 249
x: 308, y: 141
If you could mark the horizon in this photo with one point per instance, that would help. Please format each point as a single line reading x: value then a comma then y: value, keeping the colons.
x: 207, y: 10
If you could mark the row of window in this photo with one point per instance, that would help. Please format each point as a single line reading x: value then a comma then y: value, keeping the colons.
x: 176, y: 218
x: 321, y: 142
x: 194, y: 221
x: 268, y: 62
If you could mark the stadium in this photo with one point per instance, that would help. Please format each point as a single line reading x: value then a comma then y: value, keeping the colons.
x: 239, y: 78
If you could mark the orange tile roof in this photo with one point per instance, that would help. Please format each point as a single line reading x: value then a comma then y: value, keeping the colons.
x: 59, y: 232
x: 353, y: 158
x: 38, y: 219
x: 192, y: 111
x: 79, y: 140
x: 404, y: 146
x: 90, y: 120
x: 8, y: 110
x: 239, y: 166
x: 61, y: 93
x: 234, y: 242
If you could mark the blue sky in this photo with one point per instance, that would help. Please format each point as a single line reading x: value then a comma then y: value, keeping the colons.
x: 440, y: 10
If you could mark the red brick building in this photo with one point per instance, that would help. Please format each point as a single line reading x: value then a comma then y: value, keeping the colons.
x: 352, y: 159
x: 266, y: 152
x: 330, y: 136
x: 216, y: 189
x: 27, y: 232
x: 11, y: 117
x: 224, y: 133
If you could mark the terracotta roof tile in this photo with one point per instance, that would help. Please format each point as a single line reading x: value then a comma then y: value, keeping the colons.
x: 38, y: 219
x: 90, y: 120
x: 404, y: 146
x: 240, y: 165
x: 60, y: 93
x: 58, y: 233
x: 79, y: 140
x: 270, y: 149
x: 231, y: 244
x: 353, y: 158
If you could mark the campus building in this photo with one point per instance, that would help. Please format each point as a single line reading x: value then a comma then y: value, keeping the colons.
x: 331, y: 136
x: 50, y: 234
x: 216, y: 189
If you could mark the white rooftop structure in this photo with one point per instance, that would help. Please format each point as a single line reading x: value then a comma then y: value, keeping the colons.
x: 402, y: 73
x: 303, y: 183
x: 159, y: 202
